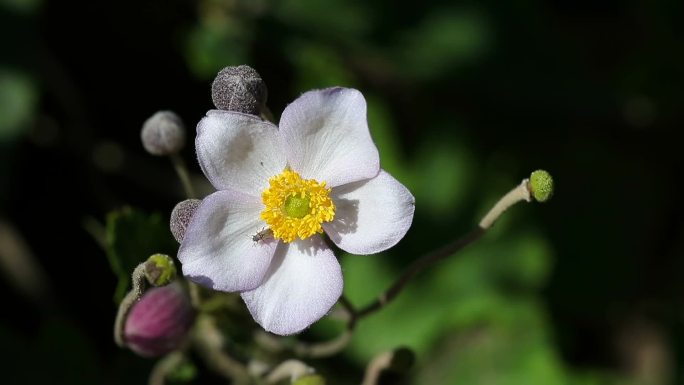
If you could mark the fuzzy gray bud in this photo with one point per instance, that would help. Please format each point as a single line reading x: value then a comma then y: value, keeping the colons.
x: 163, y: 133
x: 239, y: 89
x: 181, y: 216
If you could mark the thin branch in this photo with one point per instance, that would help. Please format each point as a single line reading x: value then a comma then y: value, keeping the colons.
x: 183, y: 175
x: 418, y: 266
x: 375, y: 368
x: 209, y: 343
x: 518, y: 194
x: 138, y: 280
x: 288, y: 370
x: 164, y: 366
x: 328, y: 348
x: 349, y: 308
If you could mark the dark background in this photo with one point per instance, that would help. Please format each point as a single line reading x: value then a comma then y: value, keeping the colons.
x: 466, y: 98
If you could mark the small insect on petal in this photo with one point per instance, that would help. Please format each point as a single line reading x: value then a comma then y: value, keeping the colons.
x: 264, y: 233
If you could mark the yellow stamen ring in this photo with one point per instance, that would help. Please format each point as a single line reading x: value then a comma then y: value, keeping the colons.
x: 296, y: 207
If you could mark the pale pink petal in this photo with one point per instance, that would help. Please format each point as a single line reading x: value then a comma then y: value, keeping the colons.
x: 327, y: 138
x: 370, y: 216
x: 239, y: 151
x: 302, y: 284
x: 218, y: 251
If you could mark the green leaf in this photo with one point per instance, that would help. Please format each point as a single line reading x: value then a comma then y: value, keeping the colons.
x: 443, y: 171
x: 318, y: 66
x: 444, y: 41
x: 329, y: 20
x: 131, y: 237
x: 18, y: 99
x: 211, y: 46
x: 185, y: 372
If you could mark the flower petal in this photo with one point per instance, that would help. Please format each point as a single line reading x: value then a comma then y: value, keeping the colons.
x: 303, y: 283
x: 370, y: 216
x: 239, y: 151
x: 218, y: 251
x: 327, y: 138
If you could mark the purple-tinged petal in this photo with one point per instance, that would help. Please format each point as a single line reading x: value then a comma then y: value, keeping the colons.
x: 370, y: 216
x: 159, y: 322
x: 218, y: 251
x: 303, y: 283
x: 239, y: 151
x: 327, y: 138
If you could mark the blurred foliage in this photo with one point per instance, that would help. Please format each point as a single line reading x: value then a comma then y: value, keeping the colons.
x: 131, y: 237
x: 443, y: 41
x: 18, y: 101
x: 44, y: 359
x: 21, y: 6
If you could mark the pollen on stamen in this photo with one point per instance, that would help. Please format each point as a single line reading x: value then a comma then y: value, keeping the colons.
x: 296, y: 207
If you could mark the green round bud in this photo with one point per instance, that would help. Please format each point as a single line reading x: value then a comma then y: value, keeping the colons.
x: 310, y: 379
x: 160, y: 270
x: 541, y: 185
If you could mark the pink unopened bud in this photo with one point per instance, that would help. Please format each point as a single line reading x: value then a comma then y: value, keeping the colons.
x: 159, y: 322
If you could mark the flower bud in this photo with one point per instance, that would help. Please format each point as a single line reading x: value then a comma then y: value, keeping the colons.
x: 181, y: 216
x: 541, y: 185
x: 160, y: 270
x: 163, y: 134
x: 239, y: 89
x: 159, y: 321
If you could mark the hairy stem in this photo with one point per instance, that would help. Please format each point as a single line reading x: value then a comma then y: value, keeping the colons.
x: 375, y: 368
x: 183, y: 175
x: 328, y: 348
x: 418, y: 266
x: 209, y: 343
x: 138, y: 280
x: 165, y: 366
x: 520, y: 193
x: 288, y: 370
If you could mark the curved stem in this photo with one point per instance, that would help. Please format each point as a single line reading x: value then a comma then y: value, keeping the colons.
x: 209, y: 343
x: 183, y: 175
x: 164, y: 366
x: 517, y: 194
x: 288, y: 370
x: 375, y: 368
x: 520, y: 193
x: 418, y: 266
x: 127, y: 303
x: 328, y: 348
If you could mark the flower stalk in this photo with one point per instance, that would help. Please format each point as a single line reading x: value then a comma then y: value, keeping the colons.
x: 522, y: 192
x: 183, y: 175
x: 209, y: 342
x: 138, y: 280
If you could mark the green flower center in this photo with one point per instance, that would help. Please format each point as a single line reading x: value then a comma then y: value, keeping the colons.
x: 296, y: 206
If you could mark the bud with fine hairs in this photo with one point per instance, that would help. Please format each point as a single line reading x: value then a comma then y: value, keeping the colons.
x: 541, y: 185
x: 181, y: 216
x: 159, y: 322
x: 163, y: 134
x: 239, y: 89
x: 160, y: 270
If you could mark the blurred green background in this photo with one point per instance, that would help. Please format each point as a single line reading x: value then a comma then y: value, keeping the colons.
x: 465, y: 98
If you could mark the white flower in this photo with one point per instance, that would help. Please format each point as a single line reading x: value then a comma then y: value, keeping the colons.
x: 318, y: 172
